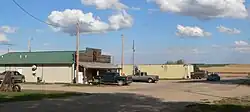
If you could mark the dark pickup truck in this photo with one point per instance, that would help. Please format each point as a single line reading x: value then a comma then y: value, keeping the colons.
x: 144, y: 77
x: 114, y: 78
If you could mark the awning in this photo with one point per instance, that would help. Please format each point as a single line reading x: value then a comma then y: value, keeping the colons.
x: 98, y: 65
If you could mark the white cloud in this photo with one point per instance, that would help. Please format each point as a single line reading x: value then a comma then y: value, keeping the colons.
x: 241, y: 46
x: 188, y: 31
x: 105, y: 4
x: 186, y: 50
x: 3, y: 38
x: 153, y: 10
x: 150, y: 11
x: 39, y: 30
x: 241, y: 43
x: 45, y: 44
x: 135, y: 8
x: 216, y: 46
x: 66, y: 20
x: 8, y: 29
x: 120, y: 20
x: 224, y: 29
x: 204, y: 9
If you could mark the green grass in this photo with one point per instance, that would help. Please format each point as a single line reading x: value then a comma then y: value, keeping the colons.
x: 34, y: 95
x: 211, y: 65
x: 224, y: 105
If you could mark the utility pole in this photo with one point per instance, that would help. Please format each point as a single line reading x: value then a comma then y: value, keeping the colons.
x: 77, y: 49
x: 133, y: 58
x: 122, y: 57
x: 113, y: 60
x: 8, y: 48
x: 29, y: 44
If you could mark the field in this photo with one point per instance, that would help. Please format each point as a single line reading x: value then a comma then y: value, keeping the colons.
x: 229, y: 69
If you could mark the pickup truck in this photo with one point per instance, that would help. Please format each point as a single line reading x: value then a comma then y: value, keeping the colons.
x: 144, y: 77
x: 15, y: 74
x: 114, y: 78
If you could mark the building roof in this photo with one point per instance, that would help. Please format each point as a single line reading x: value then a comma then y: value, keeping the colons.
x: 41, y: 57
x: 98, y: 65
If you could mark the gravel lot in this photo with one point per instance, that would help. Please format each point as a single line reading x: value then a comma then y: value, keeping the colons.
x: 138, y: 97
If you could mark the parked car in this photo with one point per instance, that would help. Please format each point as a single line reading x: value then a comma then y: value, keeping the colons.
x: 15, y: 75
x: 213, y: 77
x: 144, y: 77
x: 114, y: 78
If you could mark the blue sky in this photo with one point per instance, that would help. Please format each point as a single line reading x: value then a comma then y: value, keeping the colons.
x: 152, y: 24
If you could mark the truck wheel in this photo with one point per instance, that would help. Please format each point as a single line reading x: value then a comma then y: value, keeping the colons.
x: 150, y: 80
x: 23, y: 80
x: 120, y: 83
x: 16, y: 88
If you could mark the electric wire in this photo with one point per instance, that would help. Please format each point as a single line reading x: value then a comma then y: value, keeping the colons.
x: 34, y: 17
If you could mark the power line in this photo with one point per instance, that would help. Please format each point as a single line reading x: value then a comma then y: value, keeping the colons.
x: 36, y: 18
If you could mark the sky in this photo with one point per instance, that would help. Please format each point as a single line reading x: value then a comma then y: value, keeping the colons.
x: 198, y: 31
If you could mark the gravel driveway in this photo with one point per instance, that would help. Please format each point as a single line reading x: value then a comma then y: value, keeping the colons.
x: 138, y: 97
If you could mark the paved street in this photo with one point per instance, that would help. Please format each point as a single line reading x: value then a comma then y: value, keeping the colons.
x: 164, y: 95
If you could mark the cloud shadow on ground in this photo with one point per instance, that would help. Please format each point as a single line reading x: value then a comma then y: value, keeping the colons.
x: 113, y: 102
x: 236, y: 81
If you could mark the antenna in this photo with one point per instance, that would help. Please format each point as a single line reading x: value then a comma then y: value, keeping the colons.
x: 133, y: 48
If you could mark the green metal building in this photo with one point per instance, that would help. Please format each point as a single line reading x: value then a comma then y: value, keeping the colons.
x: 56, y: 66
x: 51, y: 66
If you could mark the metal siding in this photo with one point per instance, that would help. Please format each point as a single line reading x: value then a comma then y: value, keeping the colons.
x: 57, y: 74
x: 164, y: 71
x: 2, y: 69
x: 51, y: 74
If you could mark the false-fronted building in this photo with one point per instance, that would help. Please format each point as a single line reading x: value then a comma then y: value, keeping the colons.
x: 55, y: 66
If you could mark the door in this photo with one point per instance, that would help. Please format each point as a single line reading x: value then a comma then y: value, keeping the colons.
x: 136, y: 76
x: 17, y: 76
x: 107, y: 78
x: 141, y: 77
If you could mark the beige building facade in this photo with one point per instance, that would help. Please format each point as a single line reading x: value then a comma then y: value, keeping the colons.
x: 47, y: 73
x: 163, y: 71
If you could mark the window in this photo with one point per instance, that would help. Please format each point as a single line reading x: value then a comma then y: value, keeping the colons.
x: 16, y: 73
x: 137, y: 74
x: 141, y: 73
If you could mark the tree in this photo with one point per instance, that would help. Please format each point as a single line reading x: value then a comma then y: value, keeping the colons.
x: 180, y: 61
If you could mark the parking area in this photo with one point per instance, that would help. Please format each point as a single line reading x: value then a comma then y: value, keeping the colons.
x: 166, y: 95
x: 168, y: 90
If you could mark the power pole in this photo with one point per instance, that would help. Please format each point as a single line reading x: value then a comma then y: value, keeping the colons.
x: 77, y: 49
x: 8, y: 48
x: 133, y: 58
x: 29, y: 44
x: 122, y: 57
x: 113, y: 60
